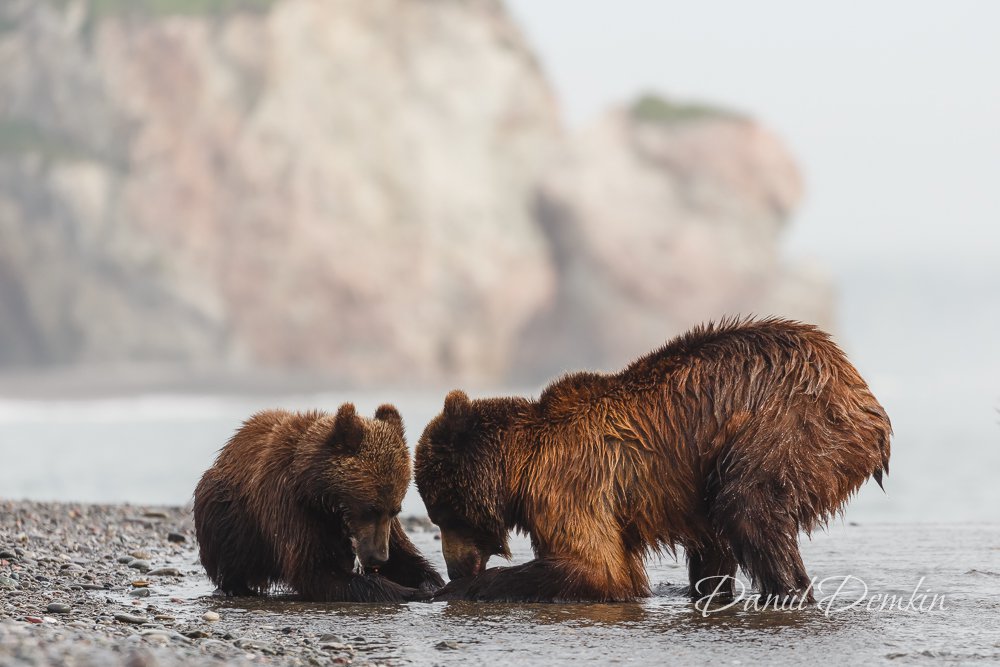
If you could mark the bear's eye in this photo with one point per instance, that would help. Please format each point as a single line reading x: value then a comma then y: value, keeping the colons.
x: 368, y: 514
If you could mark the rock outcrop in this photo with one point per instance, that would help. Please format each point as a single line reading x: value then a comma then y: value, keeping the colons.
x: 661, y: 216
x: 341, y: 185
x: 376, y: 190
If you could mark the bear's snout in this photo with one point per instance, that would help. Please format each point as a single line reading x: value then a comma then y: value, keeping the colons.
x: 371, y: 544
x: 463, y: 557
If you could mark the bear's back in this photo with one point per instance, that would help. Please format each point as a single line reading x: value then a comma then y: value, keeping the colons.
x: 268, y: 442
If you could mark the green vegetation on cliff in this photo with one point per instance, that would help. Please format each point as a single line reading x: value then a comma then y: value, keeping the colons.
x: 655, y: 109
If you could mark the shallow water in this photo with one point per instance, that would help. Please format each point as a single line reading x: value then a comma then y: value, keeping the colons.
x: 152, y: 450
x: 960, y: 563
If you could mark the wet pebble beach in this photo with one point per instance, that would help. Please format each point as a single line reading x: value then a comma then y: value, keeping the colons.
x: 121, y: 585
x: 96, y: 584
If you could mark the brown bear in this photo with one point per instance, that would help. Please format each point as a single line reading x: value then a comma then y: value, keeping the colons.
x: 727, y: 441
x: 301, y: 499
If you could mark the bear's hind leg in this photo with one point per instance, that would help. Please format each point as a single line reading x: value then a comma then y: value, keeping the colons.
x: 233, y: 550
x: 763, y: 534
x: 711, y: 568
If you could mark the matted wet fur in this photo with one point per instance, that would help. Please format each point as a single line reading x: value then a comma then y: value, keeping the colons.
x: 294, y: 497
x: 728, y: 441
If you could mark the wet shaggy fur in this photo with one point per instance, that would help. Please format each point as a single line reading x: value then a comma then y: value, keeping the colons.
x: 289, y: 494
x: 727, y: 441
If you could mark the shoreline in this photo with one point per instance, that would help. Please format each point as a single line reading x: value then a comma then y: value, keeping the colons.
x: 122, y: 585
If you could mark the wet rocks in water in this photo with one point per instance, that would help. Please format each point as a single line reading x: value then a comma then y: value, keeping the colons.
x: 58, y: 608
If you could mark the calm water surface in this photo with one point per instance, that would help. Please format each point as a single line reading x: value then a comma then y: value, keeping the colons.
x: 959, y: 562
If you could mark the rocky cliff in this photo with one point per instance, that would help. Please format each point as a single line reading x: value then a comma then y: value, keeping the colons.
x: 380, y: 190
x: 659, y: 216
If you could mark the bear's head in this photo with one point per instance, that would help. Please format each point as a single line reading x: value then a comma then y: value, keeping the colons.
x: 368, y: 474
x: 461, y: 474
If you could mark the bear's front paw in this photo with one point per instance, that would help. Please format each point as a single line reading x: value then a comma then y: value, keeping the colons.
x: 457, y: 589
x: 419, y: 594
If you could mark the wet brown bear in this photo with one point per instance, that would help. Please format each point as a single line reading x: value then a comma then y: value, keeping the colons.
x: 292, y: 499
x: 728, y: 441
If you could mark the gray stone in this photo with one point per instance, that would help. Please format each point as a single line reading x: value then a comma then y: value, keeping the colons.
x: 58, y: 608
x: 140, y: 564
x: 130, y: 618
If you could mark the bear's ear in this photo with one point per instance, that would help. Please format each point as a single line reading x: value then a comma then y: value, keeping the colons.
x: 456, y: 404
x: 389, y: 414
x: 348, y: 431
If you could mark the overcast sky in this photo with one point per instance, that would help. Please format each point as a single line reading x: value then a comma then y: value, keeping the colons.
x: 891, y: 108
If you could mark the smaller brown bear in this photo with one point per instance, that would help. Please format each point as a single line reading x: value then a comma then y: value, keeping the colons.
x: 299, y: 498
x: 727, y: 441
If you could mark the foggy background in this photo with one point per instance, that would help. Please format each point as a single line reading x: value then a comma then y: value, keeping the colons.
x: 311, y: 203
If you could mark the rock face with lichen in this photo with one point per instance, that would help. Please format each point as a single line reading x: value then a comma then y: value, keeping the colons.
x: 378, y: 190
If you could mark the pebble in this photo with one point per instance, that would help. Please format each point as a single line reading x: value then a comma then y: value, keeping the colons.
x: 447, y: 646
x: 254, y: 645
x: 33, y: 619
x: 58, y: 608
x: 140, y: 564
x: 7, y: 582
x: 129, y: 618
x: 124, y: 559
x: 140, y: 583
x: 176, y: 537
x: 140, y: 554
x: 155, y: 514
x: 7, y: 554
x: 195, y: 634
x: 92, y: 587
x: 164, y: 572
x: 139, y: 593
x: 210, y: 617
